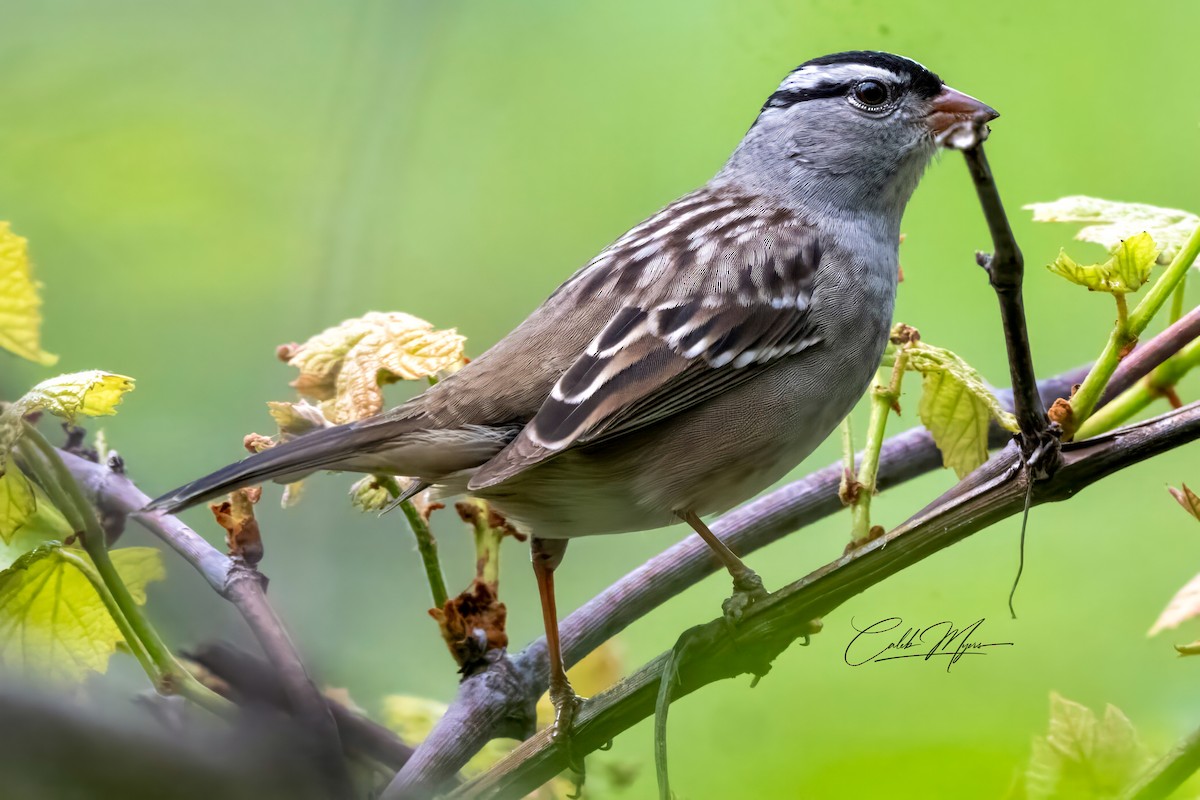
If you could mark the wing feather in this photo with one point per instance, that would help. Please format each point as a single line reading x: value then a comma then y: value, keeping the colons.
x: 744, y: 305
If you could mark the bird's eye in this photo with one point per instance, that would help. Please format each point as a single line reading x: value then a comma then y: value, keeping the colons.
x: 871, y: 93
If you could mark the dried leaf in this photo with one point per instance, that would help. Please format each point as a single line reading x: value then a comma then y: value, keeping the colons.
x: 1186, y: 498
x: 17, y: 502
x: 20, y: 305
x: 53, y: 624
x: 956, y: 406
x: 1111, y: 221
x: 346, y: 365
x: 236, y: 516
x: 1081, y: 756
x: 1127, y: 270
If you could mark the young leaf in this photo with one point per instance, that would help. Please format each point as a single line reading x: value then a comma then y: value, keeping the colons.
x: 956, y: 406
x: 344, y: 367
x: 20, y: 315
x: 53, y: 624
x: 17, y: 502
x: 1125, y: 271
x: 1110, y: 222
x: 93, y: 393
x: 1081, y: 756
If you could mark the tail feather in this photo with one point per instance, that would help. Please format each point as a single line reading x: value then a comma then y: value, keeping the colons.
x: 329, y: 448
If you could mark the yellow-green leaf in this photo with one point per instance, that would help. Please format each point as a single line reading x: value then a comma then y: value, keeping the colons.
x: 17, y: 502
x: 344, y: 367
x: 20, y: 305
x: 94, y: 393
x: 1082, y: 756
x: 46, y: 525
x: 956, y: 406
x: 53, y: 623
x: 295, y: 419
x: 1126, y: 270
x: 1110, y: 222
x: 369, y: 494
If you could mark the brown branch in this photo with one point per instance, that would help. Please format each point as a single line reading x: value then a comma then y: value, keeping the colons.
x: 1006, y: 269
x: 990, y: 494
x: 748, y: 528
x: 242, y: 586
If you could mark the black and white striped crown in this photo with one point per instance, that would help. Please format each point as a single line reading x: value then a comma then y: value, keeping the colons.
x: 832, y: 76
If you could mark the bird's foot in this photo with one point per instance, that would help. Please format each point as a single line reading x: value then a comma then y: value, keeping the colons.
x: 567, y: 705
x: 747, y: 590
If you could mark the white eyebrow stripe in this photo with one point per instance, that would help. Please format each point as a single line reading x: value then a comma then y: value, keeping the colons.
x: 815, y: 75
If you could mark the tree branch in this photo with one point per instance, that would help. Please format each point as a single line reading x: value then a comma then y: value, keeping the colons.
x: 242, y: 586
x: 990, y: 494
x: 750, y: 527
x: 1006, y: 270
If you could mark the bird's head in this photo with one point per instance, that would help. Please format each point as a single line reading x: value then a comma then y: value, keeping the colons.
x: 851, y: 129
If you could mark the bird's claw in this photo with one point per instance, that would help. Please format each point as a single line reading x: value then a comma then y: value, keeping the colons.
x: 566, y: 709
x: 748, y: 589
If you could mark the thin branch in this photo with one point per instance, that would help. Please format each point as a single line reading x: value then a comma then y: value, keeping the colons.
x: 1006, y: 269
x: 990, y: 494
x: 242, y: 586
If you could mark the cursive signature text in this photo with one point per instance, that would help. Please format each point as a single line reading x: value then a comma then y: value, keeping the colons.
x: 879, y: 642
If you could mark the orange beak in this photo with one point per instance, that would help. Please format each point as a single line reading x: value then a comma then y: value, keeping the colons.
x: 950, y: 107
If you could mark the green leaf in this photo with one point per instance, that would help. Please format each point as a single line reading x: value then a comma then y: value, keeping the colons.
x: 1125, y: 271
x: 94, y: 393
x: 1110, y: 222
x: 53, y: 623
x: 17, y: 502
x: 1082, y: 756
x: 956, y: 406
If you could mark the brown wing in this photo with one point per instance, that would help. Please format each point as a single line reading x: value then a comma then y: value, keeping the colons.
x: 750, y: 306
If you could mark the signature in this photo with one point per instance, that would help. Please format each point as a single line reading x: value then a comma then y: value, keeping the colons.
x: 877, y: 642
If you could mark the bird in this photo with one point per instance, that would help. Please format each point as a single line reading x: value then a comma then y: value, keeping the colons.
x: 693, y: 362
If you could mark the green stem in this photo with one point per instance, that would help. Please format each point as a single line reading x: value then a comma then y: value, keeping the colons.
x: 882, y: 399
x: 1083, y: 403
x: 71, y: 556
x: 168, y: 675
x: 426, y: 544
x: 1143, y: 393
x: 1177, y: 300
x: 487, y: 542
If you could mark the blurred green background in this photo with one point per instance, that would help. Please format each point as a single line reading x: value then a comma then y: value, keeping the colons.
x: 203, y: 181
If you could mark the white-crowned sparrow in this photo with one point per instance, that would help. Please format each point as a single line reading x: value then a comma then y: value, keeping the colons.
x: 694, y: 361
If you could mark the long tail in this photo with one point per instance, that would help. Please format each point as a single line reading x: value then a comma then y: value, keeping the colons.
x: 329, y: 448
